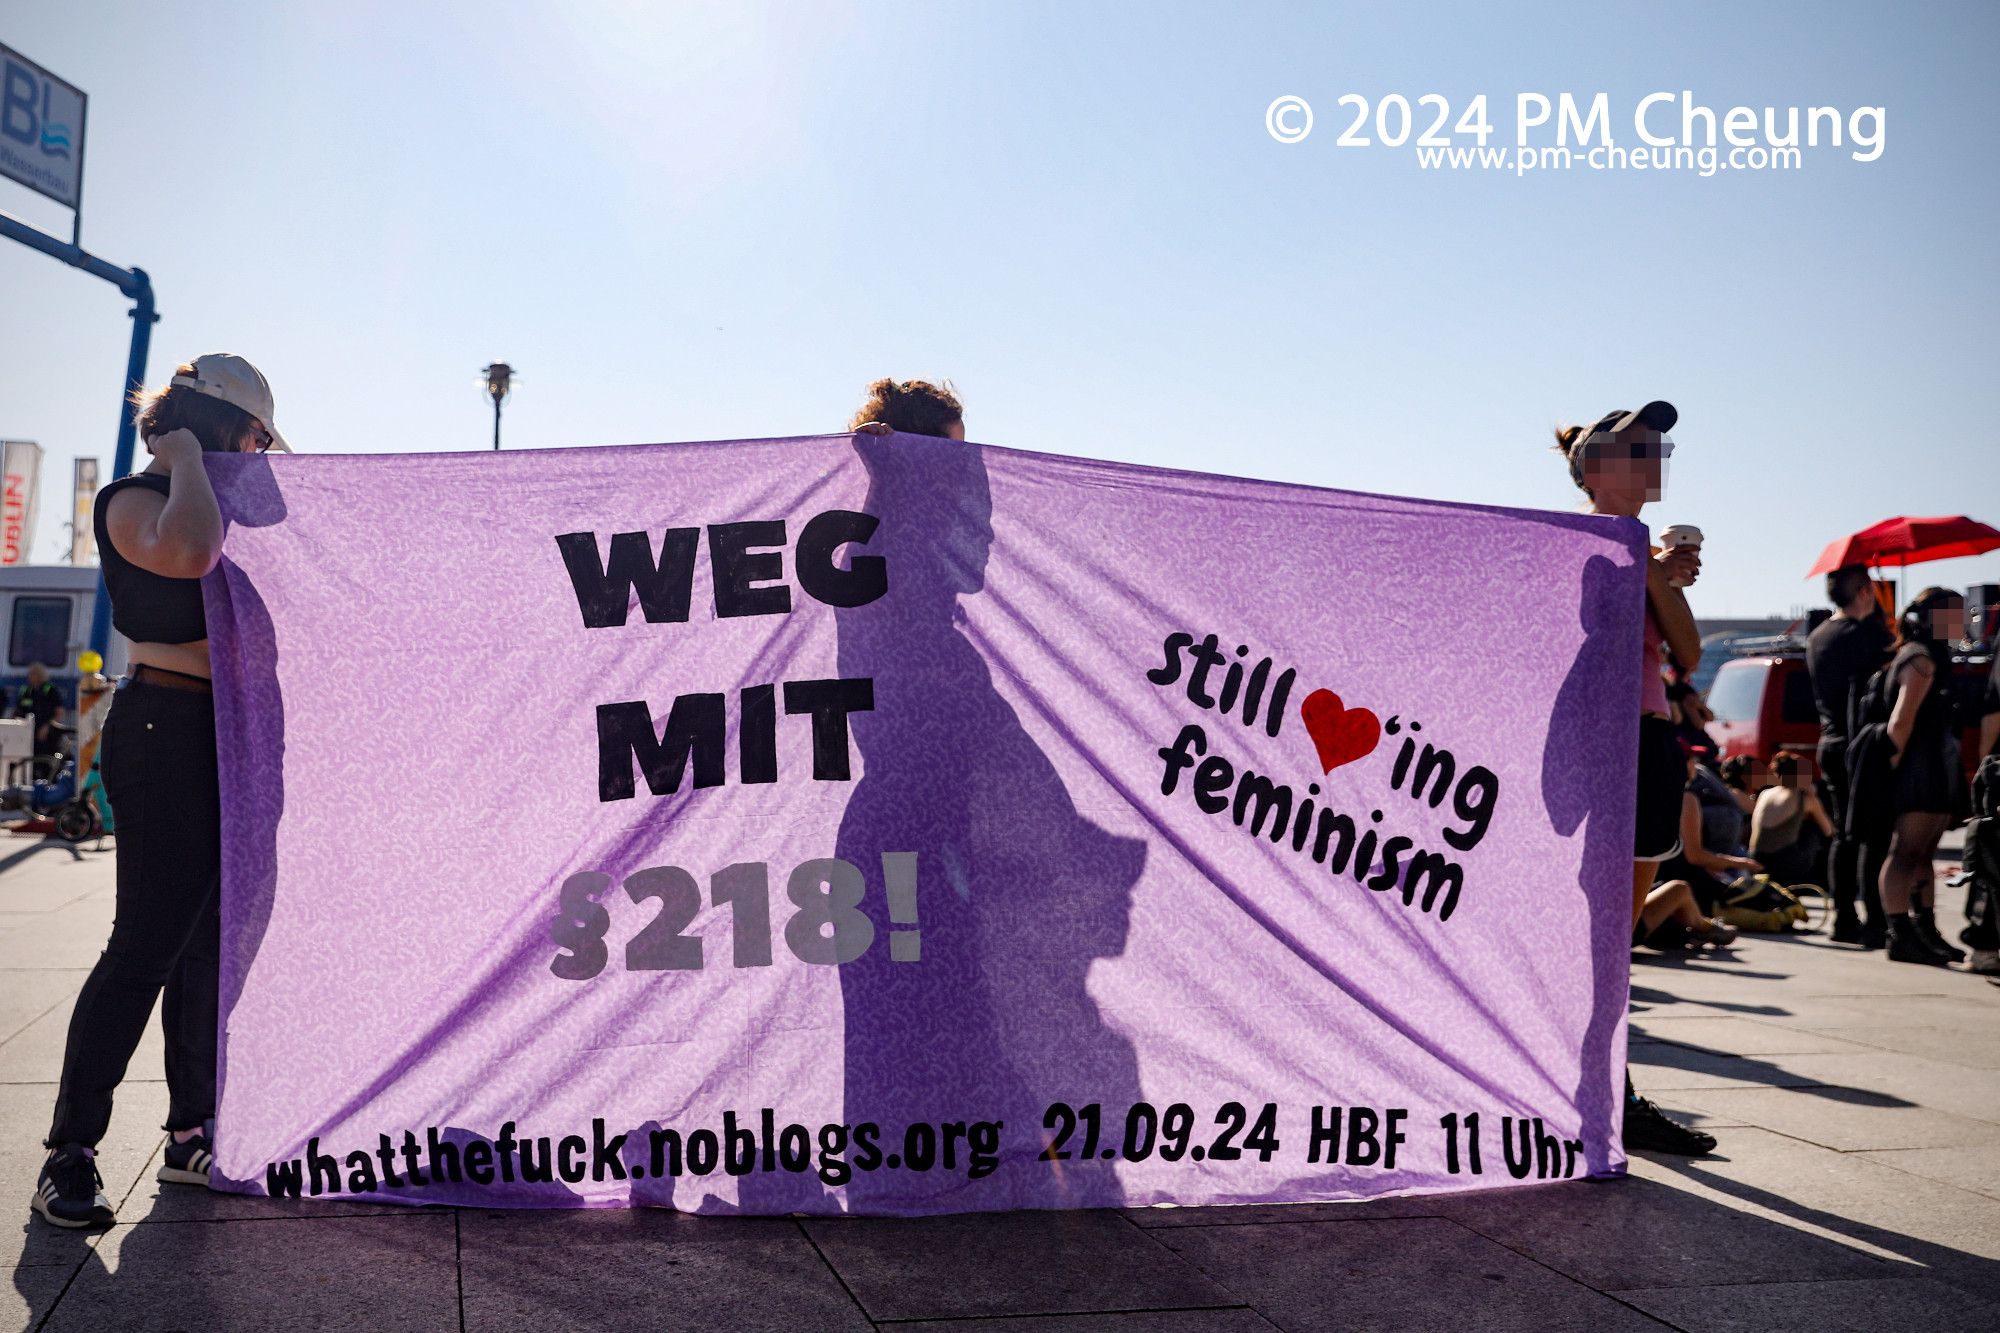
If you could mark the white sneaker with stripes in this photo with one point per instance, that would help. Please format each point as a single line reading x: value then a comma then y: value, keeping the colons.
x: 70, y: 1193
x: 187, y: 1163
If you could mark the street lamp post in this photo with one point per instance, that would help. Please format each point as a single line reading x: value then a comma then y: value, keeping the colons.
x: 499, y: 383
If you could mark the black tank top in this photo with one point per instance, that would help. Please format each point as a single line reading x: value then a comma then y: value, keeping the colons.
x: 146, y: 607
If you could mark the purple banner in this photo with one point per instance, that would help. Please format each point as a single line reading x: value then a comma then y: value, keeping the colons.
x: 900, y: 826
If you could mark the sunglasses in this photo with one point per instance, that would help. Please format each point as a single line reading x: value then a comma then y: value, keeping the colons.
x: 1604, y: 444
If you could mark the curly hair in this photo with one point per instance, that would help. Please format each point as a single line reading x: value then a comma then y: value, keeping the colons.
x: 218, y: 425
x: 914, y: 407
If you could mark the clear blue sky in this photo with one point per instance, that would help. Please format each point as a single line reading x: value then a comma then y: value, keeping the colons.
x: 720, y: 220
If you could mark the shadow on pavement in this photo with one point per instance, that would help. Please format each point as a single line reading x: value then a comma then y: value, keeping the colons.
x: 76, y: 853
x: 1666, y: 1054
x: 204, y: 1262
x: 1305, y: 1266
x: 1971, y: 1271
x: 1645, y: 996
x: 1698, y: 965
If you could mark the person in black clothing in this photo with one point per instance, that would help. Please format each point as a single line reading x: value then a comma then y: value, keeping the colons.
x: 1989, y: 712
x: 1929, y: 780
x: 42, y: 701
x: 1696, y: 862
x: 1982, y: 842
x: 1849, y: 647
x: 158, y: 532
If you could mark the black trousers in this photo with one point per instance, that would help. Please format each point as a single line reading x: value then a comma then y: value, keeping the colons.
x: 1853, y: 870
x: 159, y: 768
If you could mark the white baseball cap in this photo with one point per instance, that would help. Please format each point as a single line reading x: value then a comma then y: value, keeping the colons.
x: 235, y: 381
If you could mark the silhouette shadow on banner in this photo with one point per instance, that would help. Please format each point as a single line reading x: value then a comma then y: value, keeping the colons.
x: 251, y: 752
x: 1018, y: 893
x: 1573, y: 798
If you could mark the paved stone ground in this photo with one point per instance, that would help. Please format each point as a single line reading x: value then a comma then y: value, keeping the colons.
x: 1857, y: 1186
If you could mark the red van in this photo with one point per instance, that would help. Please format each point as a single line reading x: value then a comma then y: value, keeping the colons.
x: 1763, y: 703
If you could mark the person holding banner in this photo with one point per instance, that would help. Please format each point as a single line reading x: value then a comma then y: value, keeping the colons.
x: 913, y: 407
x: 1619, y: 462
x: 158, y: 532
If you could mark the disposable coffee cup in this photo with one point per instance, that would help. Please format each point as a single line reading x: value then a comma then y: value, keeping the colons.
x: 1679, y: 535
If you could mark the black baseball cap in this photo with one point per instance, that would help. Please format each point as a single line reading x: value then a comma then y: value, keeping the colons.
x: 1656, y: 415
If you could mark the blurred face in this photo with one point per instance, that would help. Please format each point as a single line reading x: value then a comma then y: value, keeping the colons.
x: 38, y: 674
x: 1627, y: 470
x: 1948, y: 622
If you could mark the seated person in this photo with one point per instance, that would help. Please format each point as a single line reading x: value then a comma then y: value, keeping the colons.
x: 1705, y: 867
x: 1725, y: 811
x: 1790, y: 829
x: 1670, y: 920
x: 1745, y: 775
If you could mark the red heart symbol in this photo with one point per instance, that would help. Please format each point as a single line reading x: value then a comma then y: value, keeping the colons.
x: 1340, y: 734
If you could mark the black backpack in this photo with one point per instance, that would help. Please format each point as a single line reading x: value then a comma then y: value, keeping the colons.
x: 1982, y: 859
x: 1873, y: 701
x: 1986, y: 790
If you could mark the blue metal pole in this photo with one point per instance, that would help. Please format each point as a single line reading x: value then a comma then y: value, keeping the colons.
x: 134, y: 283
x: 143, y: 318
x: 126, y: 280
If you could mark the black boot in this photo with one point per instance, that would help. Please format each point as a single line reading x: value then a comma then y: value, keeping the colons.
x: 1907, y: 945
x: 1875, y: 933
x: 1847, y: 928
x: 1926, y: 923
x: 1646, y: 1126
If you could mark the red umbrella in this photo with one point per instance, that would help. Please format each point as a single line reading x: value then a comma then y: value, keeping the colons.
x: 1909, y: 541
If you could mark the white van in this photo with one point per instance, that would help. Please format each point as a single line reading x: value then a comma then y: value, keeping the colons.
x: 47, y: 610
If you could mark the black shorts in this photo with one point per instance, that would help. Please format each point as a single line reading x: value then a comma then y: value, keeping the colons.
x: 1656, y: 830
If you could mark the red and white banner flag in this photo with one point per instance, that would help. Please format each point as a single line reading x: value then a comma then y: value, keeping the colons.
x: 23, y: 474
